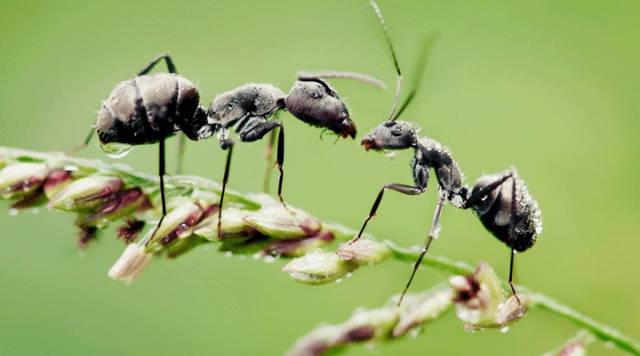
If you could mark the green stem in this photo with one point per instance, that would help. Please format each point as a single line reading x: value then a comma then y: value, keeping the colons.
x: 600, y: 330
x: 181, y: 184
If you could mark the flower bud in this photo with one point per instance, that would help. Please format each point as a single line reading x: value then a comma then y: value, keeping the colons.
x: 85, y: 193
x: 481, y: 303
x: 278, y: 222
x: 363, y: 252
x: 56, y: 180
x: 20, y: 179
x: 423, y: 308
x: 131, y: 263
x: 233, y: 225
x: 114, y: 207
x: 177, y: 224
x: 317, y: 267
x: 298, y: 247
x: 363, y: 326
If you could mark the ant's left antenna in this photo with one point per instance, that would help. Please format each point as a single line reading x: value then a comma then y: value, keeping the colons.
x: 419, y: 72
x: 376, y: 10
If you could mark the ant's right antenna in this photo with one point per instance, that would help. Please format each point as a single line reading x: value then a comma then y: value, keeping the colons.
x: 387, y: 36
x: 419, y: 72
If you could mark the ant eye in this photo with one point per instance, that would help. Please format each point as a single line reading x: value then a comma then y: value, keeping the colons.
x: 396, y: 131
x: 315, y: 94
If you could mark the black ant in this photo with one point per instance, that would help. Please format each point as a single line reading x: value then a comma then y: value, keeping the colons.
x: 518, y: 226
x: 248, y: 108
x: 150, y: 108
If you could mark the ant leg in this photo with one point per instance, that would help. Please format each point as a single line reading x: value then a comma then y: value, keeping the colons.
x: 182, y: 144
x: 268, y: 155
x: 401, y: 188
x: 170, y: 66
x: 225, y: 179
x: 476, y: 196
x: 511, y: 232
x: 84, y: 144
x: 255, y: 129
x: 161, y: 173
x: 433, y: 234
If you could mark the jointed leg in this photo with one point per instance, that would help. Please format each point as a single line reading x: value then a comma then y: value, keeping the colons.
x: 433, y: 234
x: 225, y: 179
x: 280, y: 162
x: 161, y: 173
x: 171, y: 68
x: 511, y: 233
x: 401, y: 188
x: 479, y: 194
x: 268, y: 155
x: 85, y: 143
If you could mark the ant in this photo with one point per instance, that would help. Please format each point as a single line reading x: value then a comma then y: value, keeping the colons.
x: 247, y: 110
x: 147, y: 109
x: 517, y: 226
x: 152, y: 107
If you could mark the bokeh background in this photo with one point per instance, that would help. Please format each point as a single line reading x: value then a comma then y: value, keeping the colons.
x: 549, y: 86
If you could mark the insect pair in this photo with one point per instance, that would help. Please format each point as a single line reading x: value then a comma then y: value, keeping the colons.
x: 150, y: 108
x: 502, y: 202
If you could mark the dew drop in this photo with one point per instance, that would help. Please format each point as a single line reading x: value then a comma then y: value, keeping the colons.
x: 349, y: 274
x: 13, y: 212
x: 413, y: 333
x: 228, y: 254
x: 504, y: 329
x: 339, y: 280
x: 269, y: 259
x: 115, y: 149
x: 257, y: 256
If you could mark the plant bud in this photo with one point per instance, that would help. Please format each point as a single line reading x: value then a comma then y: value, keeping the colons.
x: 20, y: 179
x: 131, y: 263
x: 233, y: 225
x: 177, y: 224
x: 317, y: 267
x: 85, y: 193
x: 298, y: 247
x: 277, y: 222
x: 56, y: 180
x: 423, y: 308
x: 481, y: 303
x: 114, y: 207
x: 364, y: 252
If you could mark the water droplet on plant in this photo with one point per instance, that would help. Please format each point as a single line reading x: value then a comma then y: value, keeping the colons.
x: 228, y: 254
x: 13, y: 212
x: 257, y: 256
x: 413, y: 333
x: 115, y: 149
x: 339, y: 280
x: 34, y: 210
x: 349, y: 274
x: 269, y: 259
x: 504, y: 329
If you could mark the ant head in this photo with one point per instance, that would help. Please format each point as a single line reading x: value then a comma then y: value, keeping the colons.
x: 394, y: 135
x: 314, y: 102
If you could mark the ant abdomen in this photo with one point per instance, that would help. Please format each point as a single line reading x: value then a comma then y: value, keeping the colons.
x: 246, y: 100
x: 517, y: 225
x: 149, y: 108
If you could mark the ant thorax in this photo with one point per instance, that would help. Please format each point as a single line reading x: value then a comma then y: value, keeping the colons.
x: 247, y: 100
x: 431, y: 154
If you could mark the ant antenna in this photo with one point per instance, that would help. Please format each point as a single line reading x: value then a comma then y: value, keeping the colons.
x: 376, y: 10
x: 364, y: 78
x: 427, y: 44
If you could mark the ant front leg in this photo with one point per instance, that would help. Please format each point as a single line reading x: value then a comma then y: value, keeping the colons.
x: 171, y: 68
x: 255, y: 129
x: 226, y: 144
x: 161, y: 173
x: 401, y: 188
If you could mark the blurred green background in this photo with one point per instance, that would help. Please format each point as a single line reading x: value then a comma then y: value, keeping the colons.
x: 549, y: 86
